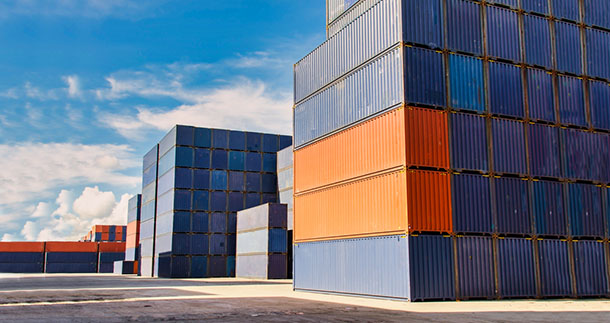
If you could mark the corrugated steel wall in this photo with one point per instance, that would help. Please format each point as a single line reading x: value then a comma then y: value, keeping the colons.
x: 549, y: 210
x: 590, y: 268
x: 555, y: 268
x: 512, y: 206
x: 475, y: 266
x: 516, y: 268
x: 471, y: 203
x: 468, y: 142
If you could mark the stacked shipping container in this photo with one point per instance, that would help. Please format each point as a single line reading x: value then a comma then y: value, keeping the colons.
x: 108, y: 254
x: 459, y: 118
x: 71, y: 257
x: 22, y: 257
x: 194, y: 182
x: 106, y: 233
x: 132, y: 245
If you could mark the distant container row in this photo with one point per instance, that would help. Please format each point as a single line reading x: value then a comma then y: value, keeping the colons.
x: 590, y: 12
x: 60, y: 257
x: 509, y: 35
x: 410, y: 75
x: 434, y: 267
x: 106, y: 233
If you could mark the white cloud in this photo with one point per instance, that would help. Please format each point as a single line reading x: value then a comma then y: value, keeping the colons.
x: 78, y: 8
x: 11, y: 93
x: 34, y: 92
x: 42, y: 209
x: 260, y: 59
x: 30, y: 171
x: 9, y: 237
x: 74, y: 88
x: 93, y: 202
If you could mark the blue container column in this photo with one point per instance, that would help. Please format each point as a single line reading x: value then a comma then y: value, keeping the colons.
x: 466, y: 83
x: 516, y: 268
x: 591, y: 269
x: 475, y: 266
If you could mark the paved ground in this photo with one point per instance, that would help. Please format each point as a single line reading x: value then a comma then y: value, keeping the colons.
x: 108, y: 298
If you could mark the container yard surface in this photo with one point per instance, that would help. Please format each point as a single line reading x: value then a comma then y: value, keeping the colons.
x: 109, y: 298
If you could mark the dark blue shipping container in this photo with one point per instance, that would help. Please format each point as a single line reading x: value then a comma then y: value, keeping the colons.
x: 554, y: 262
x: 464, y: 26
x: 512, y: 206
x: 568, y: 48
x: 503, y: 34
x: 423, y: 23
x: 466, y: 83
x: 599, y: 100
x: 516, y: 267
x: 71, y: 257
x: 253, y: 141
x: 237, y: 140
x: 69, y: 268
x: 538, y: 6
x: 541, y: 100
x: 571, y: 96
x: 505, y: 90
x: 598, y: 51
x: 471, y: 204
x: 512, y: 3
x: 218, y: 222
x: 596, y: 13
x: 21, y: 257
x: 202, y: 158
x: 509, y: 155
x: 21, y: 268
x: 537, y: 36
x: 111, y: 256
x: 468, y: 142
x: 598, y: 160
x: 218, y: 266
x: 220, y: 138
x: 237, y: 160
x: 105, y: 268
x: 220, y: 159
x: 585, y: 210
x: 576, y: 150
x: 544, y: 155
x: 548, y: 207
x: 566, y: 9
x: 425, y: 77
x: 590, y: 268
x: 475, y: 267
x: 278, y: 240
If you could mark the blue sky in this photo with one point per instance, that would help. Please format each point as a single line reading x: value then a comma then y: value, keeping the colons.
x: 88, y: 86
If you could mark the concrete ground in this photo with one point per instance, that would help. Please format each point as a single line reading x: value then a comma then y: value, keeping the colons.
x: 109, y: 298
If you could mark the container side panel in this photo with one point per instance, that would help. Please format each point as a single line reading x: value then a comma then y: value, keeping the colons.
x: 516, y: 269
x: 475, y: 267
x: 471, y: 204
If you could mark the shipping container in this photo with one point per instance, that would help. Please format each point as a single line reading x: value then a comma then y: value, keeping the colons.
x: 125, y: 267
x: 366, y: 92
x: 599, y: 101
x: 422, y: 22
x: 585, y: 210
x: 568, y: 48
x: 548, y: 207
x: 544, y: 154
x: 512, y: 206
x: 468, y: 142
x: 576, y: 147
x: 505, y: 90
x: 596, y: 13
x: 21, y: 246
x: 71, y: 247
x: 516, y: 268
x: 508, y: 146
x: 335, y: 25
x: 69, y: 268
x: 335, y: 8
x: 475, y: 267
x: 598, y: 50
x: 424, y: 72
x: 555, y: 272
x: 591, y: 270
x: 262, y: 266
x: 541, y: 99
x: 537, y: 6
x: 464, y: 31
x: 22, y: 268
x: 503, y: 39
x: 570, y: 92
x: 415, y: 268
x: 566, y: 9
x: 379, y: 28
x: 466, y: 83
x: 471, y: 204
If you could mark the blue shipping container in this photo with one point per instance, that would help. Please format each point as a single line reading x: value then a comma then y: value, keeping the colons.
x: 590, y: 268
x: 541, y: 100
x: 554, y: 262
x: 568, y: 47
x: 464, y: 26
x: 468, y: 142
x: 548, y: 207
x: 599, y: 100
x: 21, y: 257
x: 471, y: 204
x: 598, y: 51
x: 466, y: 83
x: 423, y: 23
x: 508, y: 143
x: 21, y: 268
x: 505, y: 90
x: 576, y: 149
x: 571, y: 96
x: 516, y: 268
x: 475, y: 267
x: 566, y: 9
x: 512, y: 206
x: 537, y: 35
x: 585, y: 210
x: 503, y: 39
x: 544, y: 152
x: 596, y: 13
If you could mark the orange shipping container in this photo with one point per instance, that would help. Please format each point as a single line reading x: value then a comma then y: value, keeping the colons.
x: 21, y: 246
x: 398, y: 138
x: 71, y: 247
x: 391, y: 203
x: 112, y: 246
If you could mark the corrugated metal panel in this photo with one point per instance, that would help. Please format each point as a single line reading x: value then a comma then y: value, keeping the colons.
x: 568, y: 48
x: 354, y: 12
x: 566, y: 9
x: 475, y: 267
x: 150, y: 158
x: 503, y: 33
x: 431, y: 268
x: 464, y: 26
x: 596, y: 13
x: 585, y: 210
x: 548, y: 207
x: 516, y: 269
x: 606, y: 201
x: 376, y: 266
x: 576, y: 148
x: 554, y: 261
x: 540, y: 95
x: 425, y: 77
x: 511, y: 3
x: 590, y: 268
x: 374, y: 145
x: 537, y: 35
x: 538, y: 6
x: 429, y: 201
x: 506, y: 90
x: 599, y: 99
x: 423, y: 22
x: 468, y: 142
x: 571, y: 101
x: 334, y: 8
x: 598, y: 51
x: 508, y: 146
x: 371, y: 206
x: 598, y: 159
x: 466, y: 83
x: 427, y: 142
x: 512, y: 206
x: 378, y: 27
x: 471, y: 203
x: 544, y: 152
x: 372, y: 89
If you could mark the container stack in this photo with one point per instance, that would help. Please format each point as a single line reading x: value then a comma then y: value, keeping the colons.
x: 203, y: 177
x: 132, y: 245
x: 21, y: 257
x: 262, y: 242
x: 71, y: 257
x: 109, y: 252
x: 106, y: 233
x: 461, y: 154
x: 148, y: 211
x: 285, y: 182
